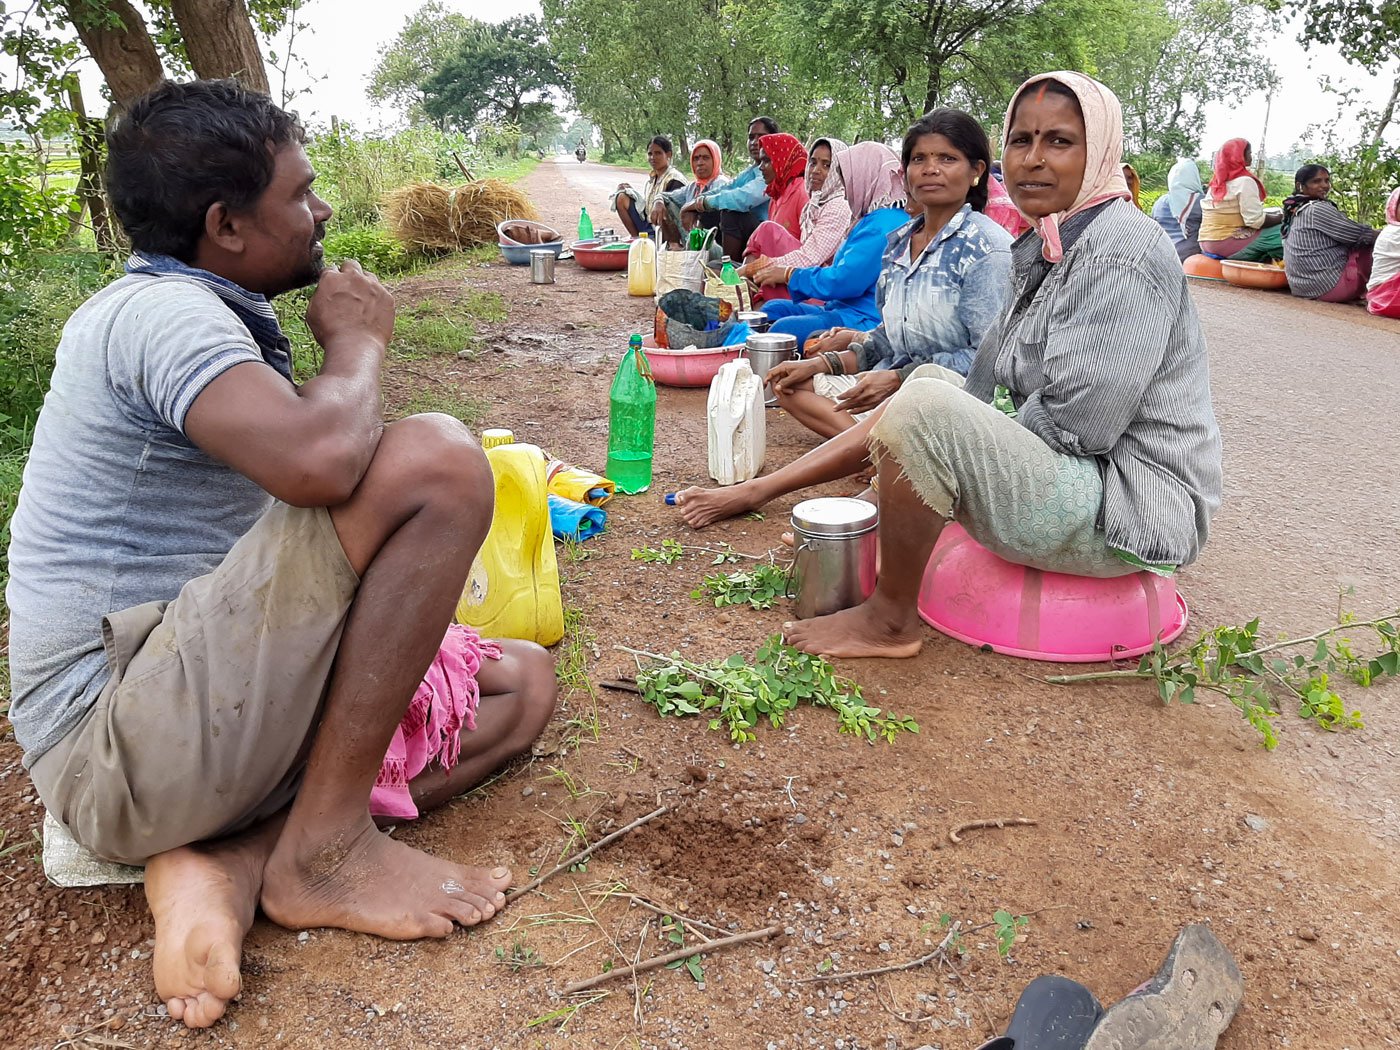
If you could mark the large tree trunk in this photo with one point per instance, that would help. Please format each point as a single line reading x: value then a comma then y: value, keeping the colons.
x: 124, y: 52
x: 220, y: 41
x: 92, y: 191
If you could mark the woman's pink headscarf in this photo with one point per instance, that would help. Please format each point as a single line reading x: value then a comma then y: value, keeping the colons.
x: 872, y: 177
x: 1228, y: 166
x: 1103, y: 147
x: 713, y: 147
x: 1392, y: 208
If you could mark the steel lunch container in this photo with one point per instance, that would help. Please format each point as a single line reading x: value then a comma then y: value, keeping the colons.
x: 836, y: 542
x: 766, y: 349
x: 757, y: 320
x: 542, y: 266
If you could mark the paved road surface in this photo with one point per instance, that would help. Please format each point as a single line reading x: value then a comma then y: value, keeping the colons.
x: 590, y: 185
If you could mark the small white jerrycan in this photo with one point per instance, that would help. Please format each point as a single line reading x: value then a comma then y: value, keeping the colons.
x: 738, y: 439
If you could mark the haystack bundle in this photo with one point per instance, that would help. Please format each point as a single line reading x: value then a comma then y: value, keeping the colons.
x: 427, y: 217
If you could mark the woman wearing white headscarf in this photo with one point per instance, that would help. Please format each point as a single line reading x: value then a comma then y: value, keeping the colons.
x: 1178, y: 211
x: 1111, y: 462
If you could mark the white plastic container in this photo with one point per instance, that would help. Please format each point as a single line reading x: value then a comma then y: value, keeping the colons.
x: 738, y: 438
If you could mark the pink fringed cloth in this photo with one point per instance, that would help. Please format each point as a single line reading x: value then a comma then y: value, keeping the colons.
x: 430, y: 729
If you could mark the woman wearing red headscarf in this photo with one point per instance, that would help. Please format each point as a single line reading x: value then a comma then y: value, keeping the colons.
x: 1234, y: 224
x: 783, y: 162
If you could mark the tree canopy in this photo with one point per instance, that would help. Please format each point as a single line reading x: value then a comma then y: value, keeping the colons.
x: 426, y: 43
x: 497, y: 72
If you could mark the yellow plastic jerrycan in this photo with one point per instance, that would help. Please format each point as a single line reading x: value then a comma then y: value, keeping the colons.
x: 641, y: 266
x: 512, y: 590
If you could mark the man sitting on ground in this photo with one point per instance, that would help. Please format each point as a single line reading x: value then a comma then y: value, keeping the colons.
x: 226, y: 588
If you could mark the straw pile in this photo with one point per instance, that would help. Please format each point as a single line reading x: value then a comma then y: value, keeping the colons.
x: 425, y: 217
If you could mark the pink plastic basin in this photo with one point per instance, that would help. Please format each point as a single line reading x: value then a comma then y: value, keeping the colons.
x: 682, y: 367
x: 970, y: 594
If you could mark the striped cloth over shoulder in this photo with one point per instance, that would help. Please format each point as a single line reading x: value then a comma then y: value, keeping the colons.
x: 1316, y: 247
x: 1104, y: 357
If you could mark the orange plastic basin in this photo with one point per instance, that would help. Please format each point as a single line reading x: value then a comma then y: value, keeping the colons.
x: 1203, y: 268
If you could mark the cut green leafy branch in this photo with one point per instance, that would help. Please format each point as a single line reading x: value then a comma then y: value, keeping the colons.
x: 759, y: 587
x: 1230, y: 661
x: 737, y: 695
x: 671, y: 551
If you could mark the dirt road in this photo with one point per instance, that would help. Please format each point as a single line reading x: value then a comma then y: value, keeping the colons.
x: 1140, y: 808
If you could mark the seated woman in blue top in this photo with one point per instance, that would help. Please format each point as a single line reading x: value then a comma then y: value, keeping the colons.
x: 943, y: 282
x: 741, y: 205
x: 869, y: 173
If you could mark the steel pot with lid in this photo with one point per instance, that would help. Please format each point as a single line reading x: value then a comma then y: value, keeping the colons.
x: 541, y: 266
x: 836, y: 541
x: 757, y: 320
x: 766, y: 349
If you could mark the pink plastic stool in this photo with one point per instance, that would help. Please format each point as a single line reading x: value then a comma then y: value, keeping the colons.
x: 970, y: 594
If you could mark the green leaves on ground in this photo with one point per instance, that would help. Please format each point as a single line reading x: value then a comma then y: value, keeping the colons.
x: 1007, y: 926
x: 759, y: 587
x: 1230, y: 661
x: 737, y: 694
x: 669, y: 552
x: 673, y: 930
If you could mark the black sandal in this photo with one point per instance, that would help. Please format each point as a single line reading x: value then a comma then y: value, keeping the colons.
x: 1053, y: 1013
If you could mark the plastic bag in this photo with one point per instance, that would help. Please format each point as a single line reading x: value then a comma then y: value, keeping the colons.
x: 679, y: 269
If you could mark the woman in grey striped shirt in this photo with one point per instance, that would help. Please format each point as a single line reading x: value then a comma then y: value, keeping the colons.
x: 1111, y: 462
x: 1326, y: 255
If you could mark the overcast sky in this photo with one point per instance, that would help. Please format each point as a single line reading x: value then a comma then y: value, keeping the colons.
x: 346, y: 36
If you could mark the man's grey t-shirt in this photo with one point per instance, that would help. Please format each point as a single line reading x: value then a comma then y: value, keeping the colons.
x: 118, y: 507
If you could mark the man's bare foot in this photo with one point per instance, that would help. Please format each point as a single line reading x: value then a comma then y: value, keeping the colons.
x: 868, y: 630
x: 203, y: 898
x: 701, y: 507
x: 362, y: 880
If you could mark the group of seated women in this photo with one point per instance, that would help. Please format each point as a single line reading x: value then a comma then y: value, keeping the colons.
x: 1326, y: 255
x: 669, y: 204
x: 1051, y: 395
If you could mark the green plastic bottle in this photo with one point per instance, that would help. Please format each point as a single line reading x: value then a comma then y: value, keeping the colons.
x: 728, y: 275
x: 585, y: 226
x: 631, y: 421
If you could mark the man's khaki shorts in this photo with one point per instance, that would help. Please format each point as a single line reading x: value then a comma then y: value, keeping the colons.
x: 205, y: 725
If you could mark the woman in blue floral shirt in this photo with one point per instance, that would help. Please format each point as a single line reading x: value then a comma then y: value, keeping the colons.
x: 943, y: 281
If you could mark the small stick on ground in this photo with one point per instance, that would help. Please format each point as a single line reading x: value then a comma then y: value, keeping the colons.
x: 955, y: 835
x: 692, y: 924
x: 583, y: 855
x: 913, y: 964
x: 621, y: 685
x: 892, y: 1007
x: 670, y: 957
x: 423, y: 375
x: 991, y: 1025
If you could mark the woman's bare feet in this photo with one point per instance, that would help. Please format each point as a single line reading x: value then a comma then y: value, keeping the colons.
x: 869, y: 630
x: 701, y: 507
x: 203, y: 898
x: 362, y: 880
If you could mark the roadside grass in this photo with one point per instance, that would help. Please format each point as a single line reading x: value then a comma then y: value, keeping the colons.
x: 508, y: 170
x: 578, y: 697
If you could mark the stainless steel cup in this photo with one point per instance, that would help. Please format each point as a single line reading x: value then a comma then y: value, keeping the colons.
x: 836, y: 546
x: 766, y: 349
x: 541, y: 266
x: 757, y: 320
